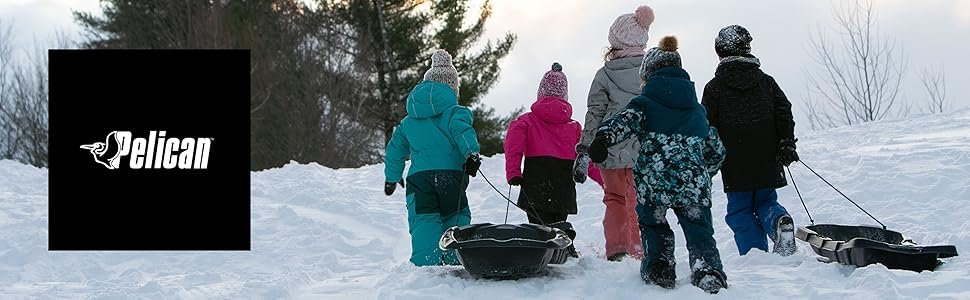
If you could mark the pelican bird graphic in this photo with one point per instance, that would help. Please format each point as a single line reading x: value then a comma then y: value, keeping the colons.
x: 105, y: 153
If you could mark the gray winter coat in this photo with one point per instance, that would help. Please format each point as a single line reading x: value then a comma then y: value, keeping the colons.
x: 613, y: 86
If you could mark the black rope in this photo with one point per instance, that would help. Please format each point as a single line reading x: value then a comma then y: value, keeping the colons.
x: 533, y: 206
x: 800, y: 195
x: 843, y: 195
x: 507, y: 204
x: 458, y: 211
x: 507, y: 198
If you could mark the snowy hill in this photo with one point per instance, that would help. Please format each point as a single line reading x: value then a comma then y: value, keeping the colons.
x: 320, y: 233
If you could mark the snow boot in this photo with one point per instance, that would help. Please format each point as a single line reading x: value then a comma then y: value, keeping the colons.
x: 784, y: 236
x: 572, y: 251
x: 568, y: 229
x: 662, y: 273
x: 710, y: 280
x: 616, y: 257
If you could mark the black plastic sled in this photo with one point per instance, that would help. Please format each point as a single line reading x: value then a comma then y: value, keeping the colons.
x: 508, y: 251
x: 864, y: 245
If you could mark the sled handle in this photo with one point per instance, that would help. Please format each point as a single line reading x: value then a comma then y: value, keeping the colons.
x: 449, y: 242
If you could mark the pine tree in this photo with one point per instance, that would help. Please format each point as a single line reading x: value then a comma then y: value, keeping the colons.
x: 296, y: 89
x: 395, y: 39
x: 326, y: 83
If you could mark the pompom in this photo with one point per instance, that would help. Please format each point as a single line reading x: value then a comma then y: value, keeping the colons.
x: 644, y: 16
x: 556, y: 67
x: 668, y: 43
x: 440, y: 58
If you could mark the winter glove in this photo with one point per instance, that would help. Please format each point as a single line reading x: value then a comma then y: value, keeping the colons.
x: 472, y: 164
x: 390, y: 186
x: 786, y: 152
x: 598, y: 150
x: 517, y: 180
x: 580, y: 167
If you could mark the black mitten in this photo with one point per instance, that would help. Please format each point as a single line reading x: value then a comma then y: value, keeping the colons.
x: 786, y: 152
x: 390, y: 186
x: 472, y: 164
x: 517, y: 180
x: 598, y: 150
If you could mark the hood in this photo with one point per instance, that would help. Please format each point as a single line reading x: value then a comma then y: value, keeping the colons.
x: 553, y: 110
x: 625, y: 73
x: 671, y: 87
x: 429, y: 99
x: 741, y: 75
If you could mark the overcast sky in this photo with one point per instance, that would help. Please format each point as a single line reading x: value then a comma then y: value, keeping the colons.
x: 573, y: 32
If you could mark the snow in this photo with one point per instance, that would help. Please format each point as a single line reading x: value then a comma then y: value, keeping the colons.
x: 320, y: 233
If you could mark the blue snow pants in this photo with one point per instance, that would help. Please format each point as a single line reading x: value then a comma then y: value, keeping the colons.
x: 752, y: 216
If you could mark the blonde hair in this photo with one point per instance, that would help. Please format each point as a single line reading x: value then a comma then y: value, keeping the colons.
x: 610, y: 53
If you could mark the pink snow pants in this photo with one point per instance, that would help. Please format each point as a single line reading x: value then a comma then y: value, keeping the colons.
x: 620, y: 223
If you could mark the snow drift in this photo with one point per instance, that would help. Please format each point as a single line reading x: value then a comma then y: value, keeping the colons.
x: 321, y: 233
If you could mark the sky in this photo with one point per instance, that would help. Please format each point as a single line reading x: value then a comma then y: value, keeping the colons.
x: 574, y: 33
x: 40, y: 19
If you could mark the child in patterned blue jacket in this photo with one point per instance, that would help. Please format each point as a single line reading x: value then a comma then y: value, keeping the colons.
x: 679, y: 153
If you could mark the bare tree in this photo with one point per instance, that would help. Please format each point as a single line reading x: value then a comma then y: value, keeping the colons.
x: 860, y: 72
x: 7, y: 137
x: 934, y: 81
x: 23, y: 99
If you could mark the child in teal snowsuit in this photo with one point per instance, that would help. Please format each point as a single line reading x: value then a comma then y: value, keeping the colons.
x: 679, y: 153
x: 437, y: 135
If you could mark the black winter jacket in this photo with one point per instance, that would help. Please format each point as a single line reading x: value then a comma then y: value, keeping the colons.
x: 752, y: 116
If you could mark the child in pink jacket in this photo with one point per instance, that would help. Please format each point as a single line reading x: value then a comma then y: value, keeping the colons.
x: 546, y: 136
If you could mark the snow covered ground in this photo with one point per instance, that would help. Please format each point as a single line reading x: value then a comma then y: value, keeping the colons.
x: 320, y: 233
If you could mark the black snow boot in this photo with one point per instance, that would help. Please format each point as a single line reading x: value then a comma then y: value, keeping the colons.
x: 571, y: 232
x: 784, y: 236
x: 616, y: 257
x: 572, y: 251
x: 662, y: 273
x: 710, y: 280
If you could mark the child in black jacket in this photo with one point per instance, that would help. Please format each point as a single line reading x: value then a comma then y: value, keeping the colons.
x: 754, y: 120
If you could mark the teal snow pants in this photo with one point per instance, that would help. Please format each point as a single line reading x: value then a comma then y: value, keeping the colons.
x: 436, y: 201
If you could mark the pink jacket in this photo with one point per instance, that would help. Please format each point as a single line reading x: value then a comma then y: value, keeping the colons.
x: 547, y: 130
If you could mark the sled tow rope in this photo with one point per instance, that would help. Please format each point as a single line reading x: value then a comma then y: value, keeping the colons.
x: 509, y: 200
x: 506, y: 204
x: 800, y: 196
x: 834, y: 188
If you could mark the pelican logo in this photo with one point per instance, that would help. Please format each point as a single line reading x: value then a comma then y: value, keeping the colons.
x: 155, y: 152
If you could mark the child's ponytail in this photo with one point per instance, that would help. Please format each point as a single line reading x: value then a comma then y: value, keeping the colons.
x: 610, y: 53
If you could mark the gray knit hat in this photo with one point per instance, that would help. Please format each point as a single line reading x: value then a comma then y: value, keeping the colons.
x: 664, y: 55
x: 442, y: 70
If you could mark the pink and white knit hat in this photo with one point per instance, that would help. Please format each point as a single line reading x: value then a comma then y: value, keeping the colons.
x: 554, y: 83
x: 630, y: 32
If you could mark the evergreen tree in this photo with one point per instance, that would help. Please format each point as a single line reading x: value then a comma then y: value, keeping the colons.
x: 298, y: 82
x: 327, y: 81
x: 395, y: 39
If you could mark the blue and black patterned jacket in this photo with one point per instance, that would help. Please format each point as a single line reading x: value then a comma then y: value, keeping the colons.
x: 679, y: 152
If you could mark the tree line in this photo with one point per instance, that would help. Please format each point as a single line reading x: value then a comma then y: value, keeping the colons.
x: 329, y: 78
